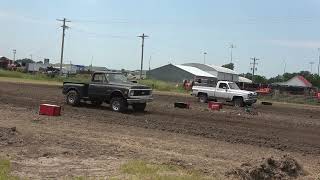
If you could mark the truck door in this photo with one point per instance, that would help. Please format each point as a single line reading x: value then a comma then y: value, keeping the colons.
x: 222, y: 91
x: 98, y: 86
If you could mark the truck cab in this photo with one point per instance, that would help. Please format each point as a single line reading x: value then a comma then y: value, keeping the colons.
x: 225, y: 91
x: 109, y: 87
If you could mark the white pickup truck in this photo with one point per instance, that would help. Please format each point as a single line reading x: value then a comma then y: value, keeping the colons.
x: 225, y: 91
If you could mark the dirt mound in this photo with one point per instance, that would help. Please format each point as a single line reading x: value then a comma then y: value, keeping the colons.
x: 269, y: 169
x: 9, y: 136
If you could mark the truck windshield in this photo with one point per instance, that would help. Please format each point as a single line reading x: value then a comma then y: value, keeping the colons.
x: 233, y: 86
x: 119, y: 78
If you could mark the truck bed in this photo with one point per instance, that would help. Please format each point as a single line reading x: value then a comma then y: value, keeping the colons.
x: 81, y: 87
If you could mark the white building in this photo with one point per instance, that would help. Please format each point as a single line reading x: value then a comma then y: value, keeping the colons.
x: 223, y: 74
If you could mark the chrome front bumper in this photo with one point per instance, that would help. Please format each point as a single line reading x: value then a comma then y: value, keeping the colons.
x: 250, y: 101
x: 137, y: 100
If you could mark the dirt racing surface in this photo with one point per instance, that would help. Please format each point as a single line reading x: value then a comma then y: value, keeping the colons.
x: 94, y: 142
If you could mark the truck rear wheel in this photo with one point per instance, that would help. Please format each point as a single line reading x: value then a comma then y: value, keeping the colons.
x: 139, y: 107
x: 203, y: 98
x: 118, y: 104
x: 73, y: 98
x: 238, y: 102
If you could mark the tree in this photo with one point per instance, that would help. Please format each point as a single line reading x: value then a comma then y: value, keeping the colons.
x: 257, y: 78
x: 229, y: 66
x: 24, y: 61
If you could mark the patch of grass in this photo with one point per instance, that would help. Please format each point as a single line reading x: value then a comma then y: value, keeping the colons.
x: 162, y: 85
x: 43, y: 77
x: 140, y: 170
x: 5, y: 168
x: 296, y: 99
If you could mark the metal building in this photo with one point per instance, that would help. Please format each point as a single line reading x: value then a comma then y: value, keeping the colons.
x: 178, y: 73
x: 223, y: 74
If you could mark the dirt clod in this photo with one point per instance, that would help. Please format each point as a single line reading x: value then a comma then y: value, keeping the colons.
x: 268, y: 169
x: 9, y: 136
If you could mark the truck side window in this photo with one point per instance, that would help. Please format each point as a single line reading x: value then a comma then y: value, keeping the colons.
x: 99, y: 78
x: 223, y: 86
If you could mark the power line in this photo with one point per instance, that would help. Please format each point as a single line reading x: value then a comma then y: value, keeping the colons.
x: 100, y: 35
x: 64, y: 27
x: 254, y: 63
x: 143, y: 36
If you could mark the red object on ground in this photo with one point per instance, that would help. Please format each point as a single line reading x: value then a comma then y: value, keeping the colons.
x: 214, y: 105
x: 318, y: 96
x: 50, y: 110
x: 210, y: 103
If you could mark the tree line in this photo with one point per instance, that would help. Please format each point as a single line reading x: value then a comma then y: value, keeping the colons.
x: 314, y: 79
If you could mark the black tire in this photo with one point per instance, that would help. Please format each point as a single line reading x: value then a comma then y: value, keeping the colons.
x: 96, y: 102
x: 238, y: 102
x: 203, y: 98
x: 139, y: 107
x: 118, y: 104
x: 73, y: 98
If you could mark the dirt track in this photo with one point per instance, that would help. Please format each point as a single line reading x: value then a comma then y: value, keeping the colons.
x: 210, y: 141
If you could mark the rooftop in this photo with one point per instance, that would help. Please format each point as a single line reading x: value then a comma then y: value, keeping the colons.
x: 195, y: 71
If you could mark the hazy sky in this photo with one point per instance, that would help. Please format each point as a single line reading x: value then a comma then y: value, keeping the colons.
x: 180, y: 31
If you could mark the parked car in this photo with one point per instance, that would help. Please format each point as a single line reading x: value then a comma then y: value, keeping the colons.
x: 225, y: 91
x: 109, y: 87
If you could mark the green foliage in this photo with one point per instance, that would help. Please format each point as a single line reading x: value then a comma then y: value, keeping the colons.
x: 24, y: 61
x: 140, y: 170
x: 229, y: 66
x: 314, y: 79
x: 257, y: 78
x: 5, y: 168
x: 44, y: 77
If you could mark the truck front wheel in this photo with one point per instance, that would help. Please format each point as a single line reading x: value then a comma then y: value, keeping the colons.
x: 118, y: 104
x: 139, y: 107
x: 238, y: 102
x: 73, y: 98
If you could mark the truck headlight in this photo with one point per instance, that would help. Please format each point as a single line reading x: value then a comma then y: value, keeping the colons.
x: 131, y: 93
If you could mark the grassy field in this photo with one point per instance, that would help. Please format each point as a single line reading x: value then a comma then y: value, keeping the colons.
x: 42, y: 77
x: 163, y: 86
x: 296, y: 99
x: 5, y: 168
x: 13, y: 76
x: 19, y: 77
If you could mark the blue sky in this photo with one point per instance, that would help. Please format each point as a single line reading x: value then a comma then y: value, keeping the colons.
x: 180, y: 31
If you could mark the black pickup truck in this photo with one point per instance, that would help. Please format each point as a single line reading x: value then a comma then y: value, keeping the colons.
x: 110, y: 87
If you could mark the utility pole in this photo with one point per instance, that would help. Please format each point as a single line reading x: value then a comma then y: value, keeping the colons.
x: 319, y: 63
x: 311, y: 64
x: 149, y: 63
x: 204, y: 57
x: 143, y: 36
x: 14, y: 55
x: 91, y: 64
x: 64, y: 27
x: 232, y: 46
x: 285, y: 67
x: 254, y: 66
